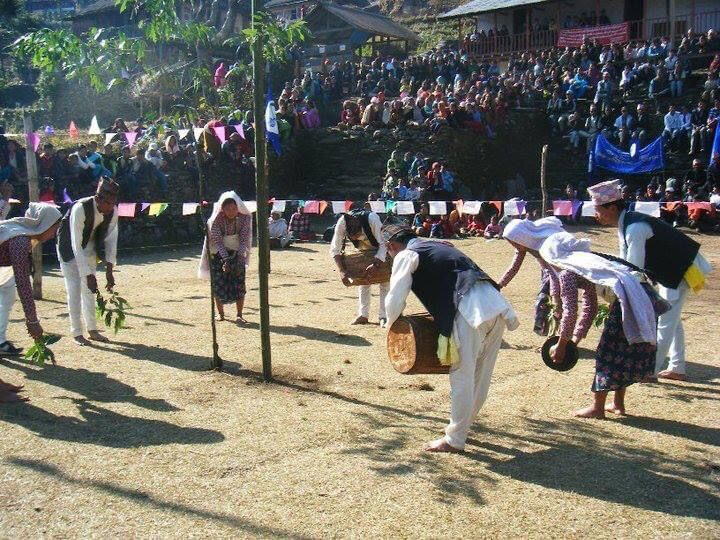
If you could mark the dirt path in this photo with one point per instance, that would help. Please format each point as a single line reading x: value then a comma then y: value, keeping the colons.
x: 138, y: 438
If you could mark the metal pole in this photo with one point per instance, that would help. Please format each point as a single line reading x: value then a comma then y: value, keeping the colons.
x: 261, y: 188
x: 543, y: 183
x: 34, y: 194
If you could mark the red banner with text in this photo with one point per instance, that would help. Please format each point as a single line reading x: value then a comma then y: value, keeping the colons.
x: 610, y: 33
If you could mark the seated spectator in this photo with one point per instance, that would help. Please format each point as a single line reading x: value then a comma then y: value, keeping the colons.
x: 144, y: 174
x: 697, y: 179
x: 493, y: 229
x: 311, y: 115
x: 394, y: 162
x: 278, y: 229
x: 300, y: 225
x: 643, y: 125
x: 15, y: 156
x: 153, y: 155
x: 676, y: 78
x: 421, y: 222
x: 604, y: 92
x: 674, y: 132
x: 672, y: 211
x: 624, y: 126
x: 650, y: 194
x: 699, y: 134
x: 47, y: 191
x: 659, y: 87
x: 232, y: 149
x: 46, y: 161
x: 413, y: 192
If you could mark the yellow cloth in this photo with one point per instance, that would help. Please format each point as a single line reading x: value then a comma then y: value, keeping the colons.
x: 695, y: 278
x: 157, y: 208
x: 447, y: 351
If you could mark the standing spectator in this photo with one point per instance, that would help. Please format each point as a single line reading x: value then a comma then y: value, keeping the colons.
x: 698, y: 137
x: 604, y: 92
x: 300, y: 225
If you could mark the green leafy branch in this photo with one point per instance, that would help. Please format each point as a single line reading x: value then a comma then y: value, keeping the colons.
x: 112, y: 311
x: 601, y: 316
x: 40, y: 353
x: 276, y: 36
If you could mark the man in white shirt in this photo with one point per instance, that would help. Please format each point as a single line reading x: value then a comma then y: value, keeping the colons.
x: 674, y: 128
x: 364, y: 230
x: 669, y: 258
x: 278, y: 230
x: 7, y: 280
x: 470, y: 332
x: 89, y: 225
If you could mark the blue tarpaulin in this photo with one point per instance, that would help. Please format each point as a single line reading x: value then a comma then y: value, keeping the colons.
x: 612, y: 158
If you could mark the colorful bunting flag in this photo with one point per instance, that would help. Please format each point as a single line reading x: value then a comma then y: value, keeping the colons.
x: 66, y: 198
x: 240, y: 129
x: 130, y: 137
x: 498, y: 205
x: 514, y: 207
x: 471, y: 208
x: 650, y: 208
x: 182, y: 133
x: 562, y: 208
x: 109, y: 138
x: 438, y: 208
x: 459, y: 206
x: 94, y: 127
x: 588, y: 209
x: 323, y: 207
x: 49, y: 130
x: 157, y: 208
x: 197, y: 132
x: 390, y: 206
x: 73, y: 130
x: 189, y: 208
x: 404, y: 208
x: 220, y: 133
x: 126, y: 210
x: 279, y: 206
x: 377, y: 206
x: 338, y: 207
x: 33, y: 141
x: 312, y: 207
x: 251, y: 206
x: 144, y: 206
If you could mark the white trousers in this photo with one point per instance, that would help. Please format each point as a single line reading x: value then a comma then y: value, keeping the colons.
x: 364, y: 300
x: 80, y: 300
x: 470, y: 377
x: 671, y: 334
x: 7, y: 300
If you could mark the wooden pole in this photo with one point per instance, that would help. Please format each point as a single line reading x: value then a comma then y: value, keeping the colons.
x: 543, y: 182
x: 261, y: 188
x: 34, y: 194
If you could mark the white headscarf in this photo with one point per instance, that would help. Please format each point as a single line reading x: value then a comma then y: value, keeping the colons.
x: 532, y: 234
x: 204, y: 268
x: 38, y: 219
x: 565, y: 251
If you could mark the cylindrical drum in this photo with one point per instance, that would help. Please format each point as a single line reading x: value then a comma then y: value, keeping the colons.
x: 412, y: 345
x: 356, y: 263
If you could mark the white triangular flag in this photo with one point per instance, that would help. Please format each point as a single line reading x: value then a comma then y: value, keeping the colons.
x: 404, y: 208
x: 438, y: 208
x: 471, y: 208
x: 251, y: 206
x: 182, y: 133
x: 94, y: 127
x: 651, y: 208
x: 189, y: 208
x: 279, y: 206
x: 197, y: 132
x: 588, y: 209
x: 377, y: 206
x: 109, y: 137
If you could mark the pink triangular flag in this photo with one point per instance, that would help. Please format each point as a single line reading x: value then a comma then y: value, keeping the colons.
x: 241, y: 131
x: 220, y: 132
x: 33, y: 140
x: 130, y: 137
x: 73, y: 130
x: 144, y: 206
x: 126, y: 210
x: 562, y: 208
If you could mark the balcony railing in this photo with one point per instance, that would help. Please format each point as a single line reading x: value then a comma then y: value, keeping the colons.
x: 639, y: 30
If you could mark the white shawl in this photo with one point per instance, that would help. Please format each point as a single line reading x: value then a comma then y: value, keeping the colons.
x: 204, y: 267
x: 638, y: 315
x: 38, y: 219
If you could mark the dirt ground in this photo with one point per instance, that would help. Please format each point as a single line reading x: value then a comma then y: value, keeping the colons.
x: 138, y: 438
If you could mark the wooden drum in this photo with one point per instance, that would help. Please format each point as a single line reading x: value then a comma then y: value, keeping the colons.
x: 356, y: 263
x: 412, y: 345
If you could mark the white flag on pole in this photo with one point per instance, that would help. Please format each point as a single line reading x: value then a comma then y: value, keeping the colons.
x: 94, y: 127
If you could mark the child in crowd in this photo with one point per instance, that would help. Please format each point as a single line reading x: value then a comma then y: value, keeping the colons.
x: 493, y: 230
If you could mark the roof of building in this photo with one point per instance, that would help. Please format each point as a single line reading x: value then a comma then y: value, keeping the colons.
x: 482, y: 6
x: 373, y: 23
x: 96, y: 7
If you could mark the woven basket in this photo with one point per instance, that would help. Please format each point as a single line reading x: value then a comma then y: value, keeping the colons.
x: 356, y: 263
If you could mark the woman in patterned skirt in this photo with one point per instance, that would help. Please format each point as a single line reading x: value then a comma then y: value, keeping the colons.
x: 230, y: 233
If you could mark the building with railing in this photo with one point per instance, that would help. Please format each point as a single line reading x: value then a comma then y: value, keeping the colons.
x: 500, y: 27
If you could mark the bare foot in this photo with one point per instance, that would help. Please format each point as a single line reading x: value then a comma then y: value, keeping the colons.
x: 81, y: 340
x: 589, y: 412
x: 97, y: 336
x: 441, y: 445
x: 672, y: 375
x: 11, y: 397
x: 620, y: 411
x: 360, y: 320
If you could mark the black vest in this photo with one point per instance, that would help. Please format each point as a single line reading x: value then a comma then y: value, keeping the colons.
x: 364, y: 217
x: 668, y: 254
x: 435, y: 282
x: 64, y: 238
